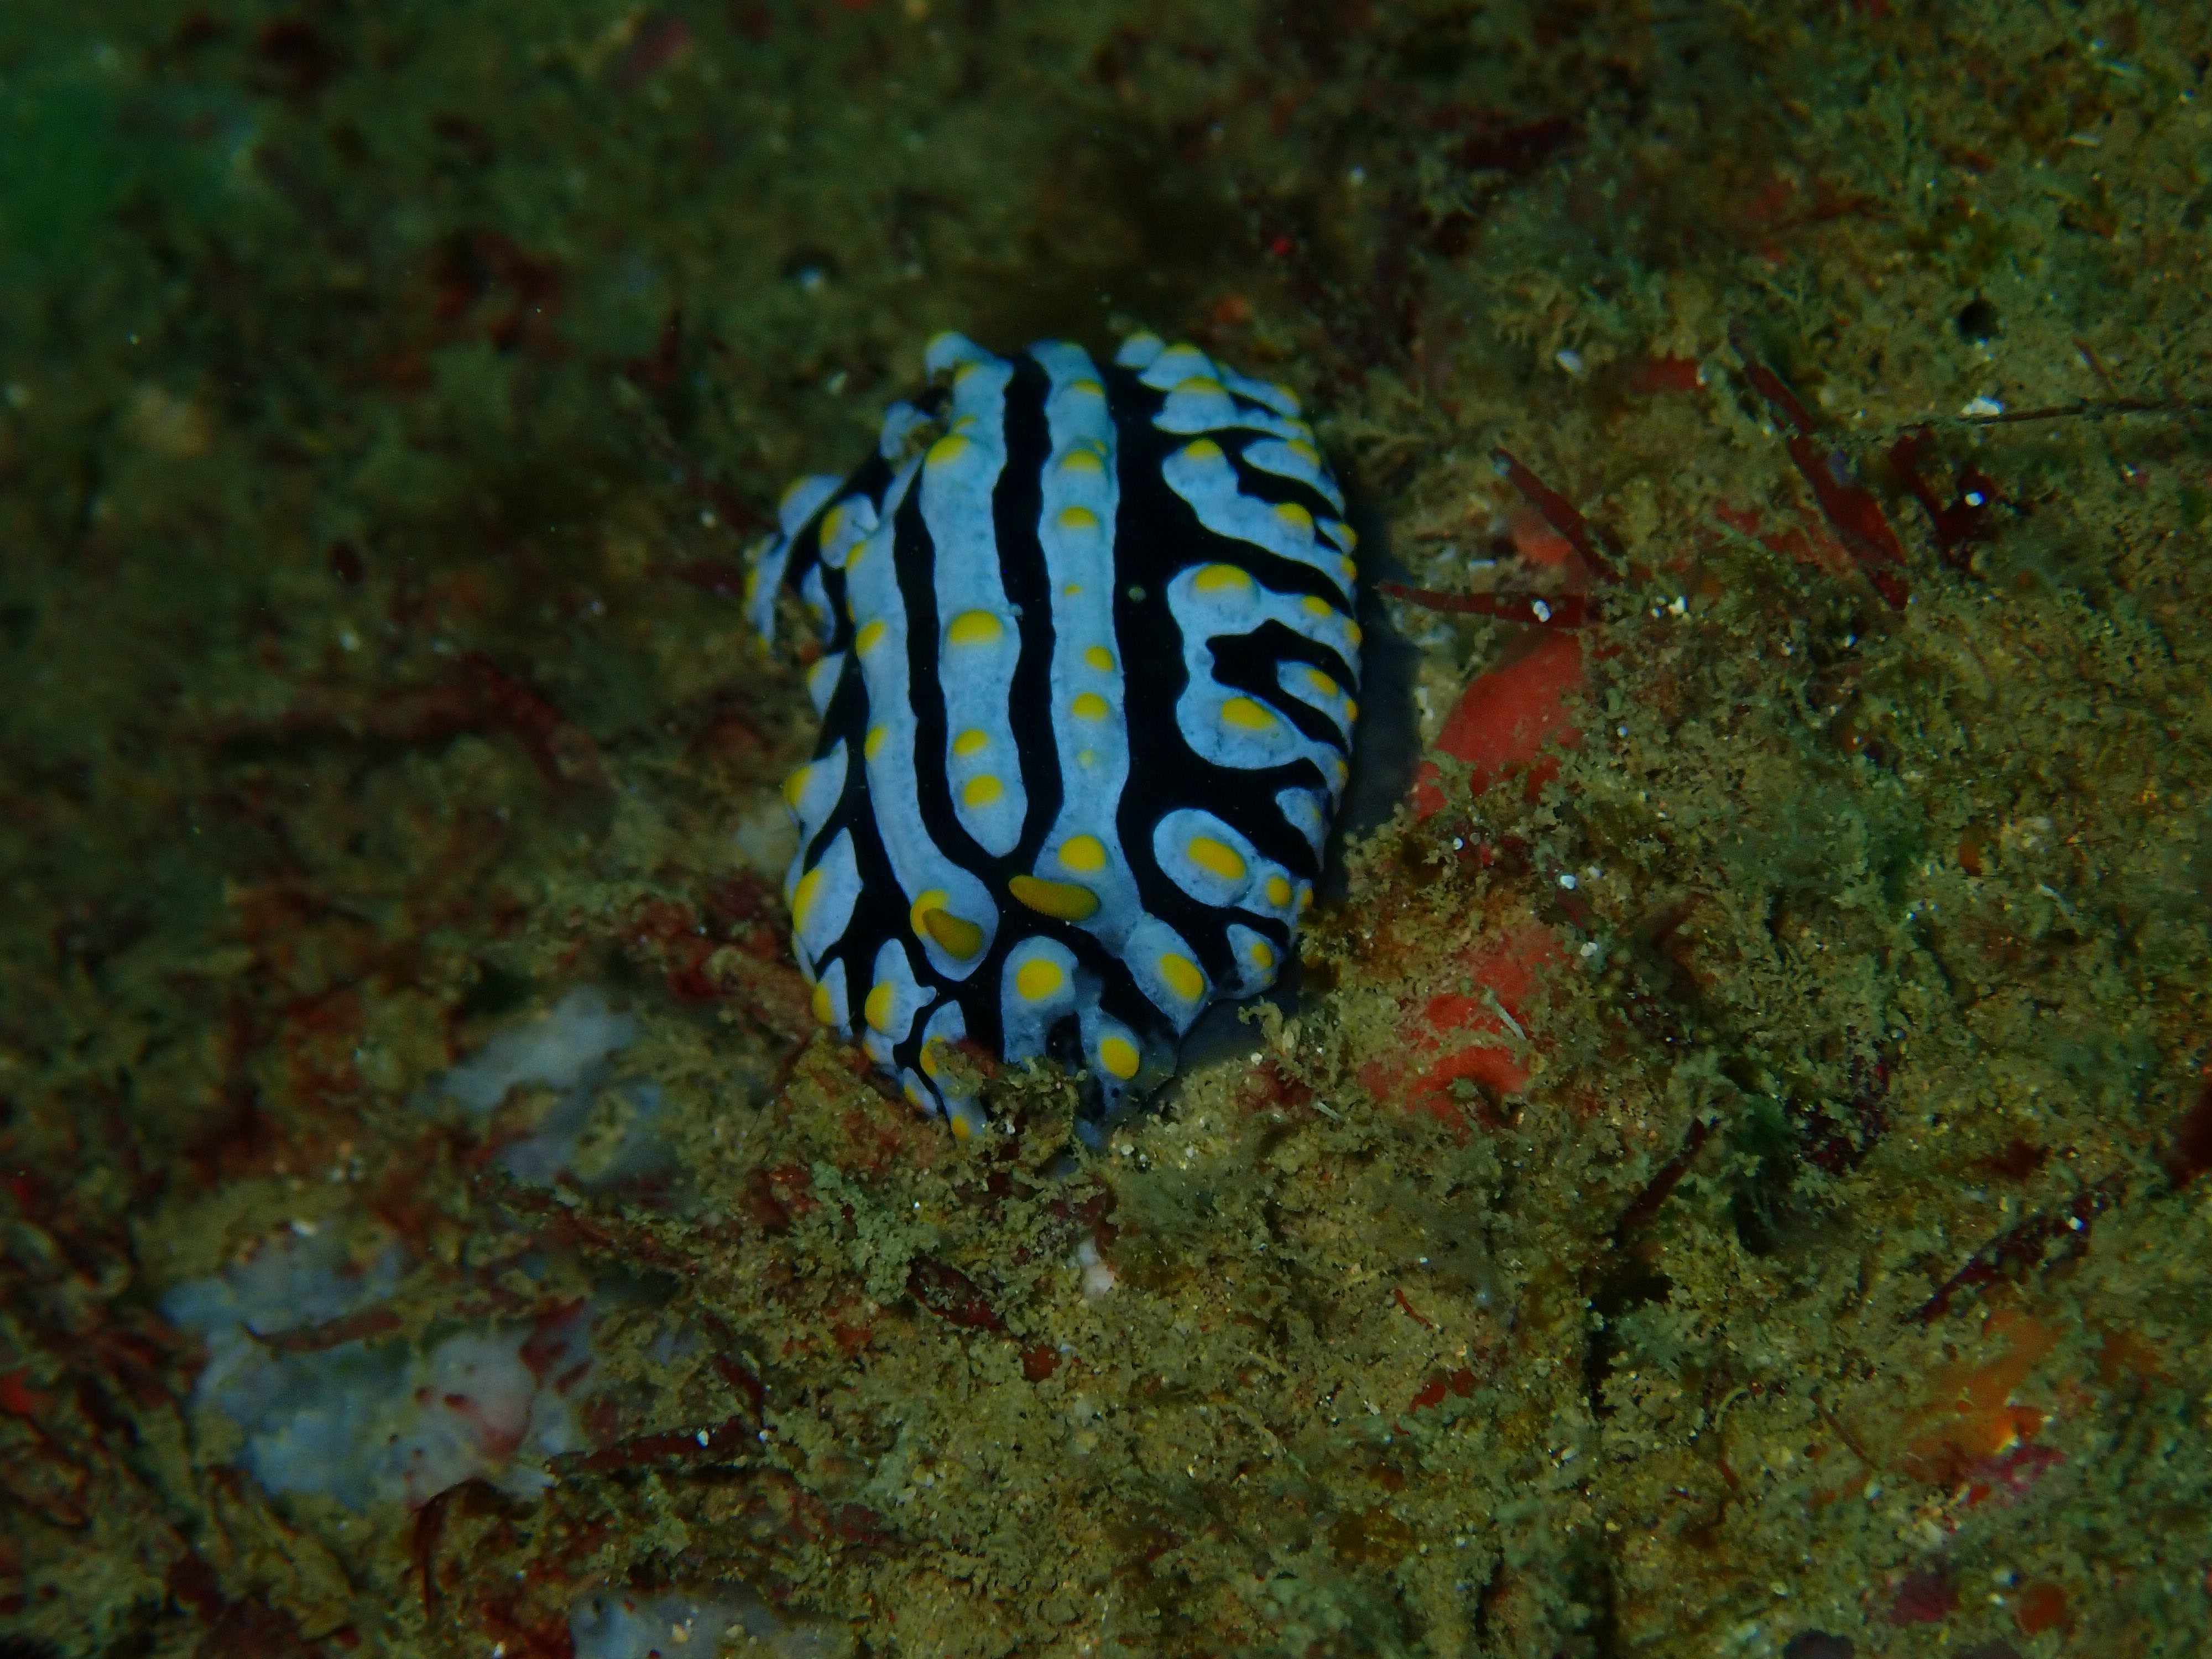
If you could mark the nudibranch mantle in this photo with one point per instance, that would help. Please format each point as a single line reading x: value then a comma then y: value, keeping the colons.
x: 1087, y: 685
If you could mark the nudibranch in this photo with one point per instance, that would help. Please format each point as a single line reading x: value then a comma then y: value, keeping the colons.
x: 1087, y: 682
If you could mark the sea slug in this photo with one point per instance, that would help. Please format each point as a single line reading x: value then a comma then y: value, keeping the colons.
x: 1087, y: 688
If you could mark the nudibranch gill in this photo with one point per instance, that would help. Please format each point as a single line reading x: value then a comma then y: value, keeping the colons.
x: 1087, y: 682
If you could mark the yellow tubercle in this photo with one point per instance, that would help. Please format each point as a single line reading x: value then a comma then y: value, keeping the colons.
x: 981, y: 790
x: 878, y: 1008
x: 1064, y: 900
x: 1221, y: 858
x: 803, y: 898
x: 1037, y: 979
x: 958, y: 935
x: 1084, y: 853
x: 1089, y: 706
x: 1250, y: 716
x: 1118, y: 1055
x: 918, y: 912
x: 974, y: 627
x: 1183, y: 975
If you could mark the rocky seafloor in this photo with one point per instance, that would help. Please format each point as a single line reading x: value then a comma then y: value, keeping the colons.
x: 1731, y: 1177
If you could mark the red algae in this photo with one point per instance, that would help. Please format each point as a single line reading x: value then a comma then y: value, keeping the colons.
x: 2188, y: 1153
x: 1473, y: 1037
x: 1507, y: 717
x: 1970, y: 1418
x: 1928, y: 1597
x: 2041, y: 1607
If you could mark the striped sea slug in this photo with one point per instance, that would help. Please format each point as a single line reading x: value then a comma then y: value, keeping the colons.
x: 1086, y: 690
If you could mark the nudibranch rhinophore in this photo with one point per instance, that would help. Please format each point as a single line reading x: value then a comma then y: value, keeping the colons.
x: 1086, y: 688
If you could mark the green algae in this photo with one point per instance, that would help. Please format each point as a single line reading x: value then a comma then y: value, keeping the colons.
x: 389, y: 397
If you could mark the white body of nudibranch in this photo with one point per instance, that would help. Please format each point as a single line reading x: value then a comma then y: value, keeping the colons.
x: 1086, y: 689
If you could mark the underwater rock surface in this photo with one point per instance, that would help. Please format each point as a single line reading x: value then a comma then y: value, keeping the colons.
x: 1734, y: 1180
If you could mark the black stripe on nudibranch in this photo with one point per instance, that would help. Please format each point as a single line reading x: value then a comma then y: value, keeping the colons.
x: 1087, y: 693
